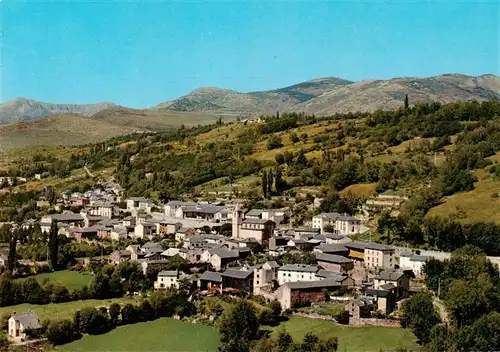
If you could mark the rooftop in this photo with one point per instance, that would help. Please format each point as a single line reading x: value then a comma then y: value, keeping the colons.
x: 237, y: 274
x: 332, y: 258
x: 211, y: 276
x: 389, y: 275
x: 167, y: 273
x: 299, y: 267
x: 336, y: 216
x: 298, y: 285
x: 29, y: 320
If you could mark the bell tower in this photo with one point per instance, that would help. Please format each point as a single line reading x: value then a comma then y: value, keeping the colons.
x: 236, y: 221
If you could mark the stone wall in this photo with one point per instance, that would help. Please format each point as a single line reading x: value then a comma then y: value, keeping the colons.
x: 373, y: 321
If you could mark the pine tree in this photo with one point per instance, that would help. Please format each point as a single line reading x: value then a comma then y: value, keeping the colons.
x: 12, y: 251
x: 53, y: 245
x: 406, y: 102
x: 279, y: 183
x: 270, y: 181
x: 264, y: 183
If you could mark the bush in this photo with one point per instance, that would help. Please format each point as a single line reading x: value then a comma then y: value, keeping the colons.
x: 274, y: 142
x: 61, y: 332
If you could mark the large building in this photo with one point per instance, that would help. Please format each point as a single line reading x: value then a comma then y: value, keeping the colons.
x: 296, y: 272
x: 342, y: 224
x: 413, y: 262
x: 259, y: 229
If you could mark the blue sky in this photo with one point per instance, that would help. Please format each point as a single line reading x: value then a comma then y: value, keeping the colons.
x: 142, y: 53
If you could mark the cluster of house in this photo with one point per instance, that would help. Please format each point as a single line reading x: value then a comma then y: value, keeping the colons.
x: 379, y: 274
x: 295, y: 284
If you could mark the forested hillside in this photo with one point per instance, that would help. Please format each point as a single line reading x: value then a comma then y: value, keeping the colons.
x: 432, y: 153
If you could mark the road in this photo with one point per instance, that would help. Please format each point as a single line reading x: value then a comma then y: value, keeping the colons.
x: 443, y: 313
x: 88, y: 171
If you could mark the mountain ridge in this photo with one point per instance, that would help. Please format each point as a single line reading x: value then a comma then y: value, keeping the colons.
x: 320, y: 96
x: 21, y: 109
x: 329, y: 95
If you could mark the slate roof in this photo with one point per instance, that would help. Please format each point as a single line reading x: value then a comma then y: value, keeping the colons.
x: 202, y: 208
x: 388, y: 286
x: 300, y: 285
x: 332, y: 248
x: 273, y: 264
x: 211, y: 276
x: 237, y: 274
x: 223, y: 253
x: 389, y: 275
x: 334, y: 236
x: 377, y: 293
x: 29, y: 320
x: 299, y: 267
x: 67, y: 217
x: 331, y: 275
x: 336, y: 216
x: 332, y: 258
x: 256, y: 221
x: 167, y: 273
x: 141, y: 199
x: 255, y: 212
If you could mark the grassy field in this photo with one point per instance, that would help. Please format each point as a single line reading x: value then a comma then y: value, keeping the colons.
x: 159, y: 335
x: 479, y: 204
x: 63, y: 310
x: 351, y: 339
x: 70, y: 279
x: 171, y: 335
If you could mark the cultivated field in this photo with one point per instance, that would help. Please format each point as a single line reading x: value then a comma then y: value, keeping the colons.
x: 351, y: 339
x: 63, y: 310
x: 72, y: 280
x: 160, y: 335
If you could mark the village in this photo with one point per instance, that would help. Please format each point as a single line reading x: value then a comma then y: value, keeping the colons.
x: 240, y: 251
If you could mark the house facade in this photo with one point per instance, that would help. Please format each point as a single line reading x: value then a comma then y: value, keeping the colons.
x: 342, y: 224
x: 296, y: 272
x: 19, y: 324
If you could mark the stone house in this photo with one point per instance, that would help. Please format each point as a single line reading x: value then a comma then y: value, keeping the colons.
x: 20, y: 324
x: 335, y: 263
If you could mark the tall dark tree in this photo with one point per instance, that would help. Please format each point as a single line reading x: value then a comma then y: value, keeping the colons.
x: 264, y: 183
x: 279, y: 183
x: 420, y: 315
x: 238, y: 327
x: 407, y: 104
x: 12, y: 252
x: 270, y: 181
x: 114, y: 313
x: 53, y: 245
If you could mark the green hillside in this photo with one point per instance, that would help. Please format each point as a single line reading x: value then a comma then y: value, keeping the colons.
x: 443, y: 157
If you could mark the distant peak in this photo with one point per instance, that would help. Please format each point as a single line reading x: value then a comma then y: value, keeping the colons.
x: 209, y: 89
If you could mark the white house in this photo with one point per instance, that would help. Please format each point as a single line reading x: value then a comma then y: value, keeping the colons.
x: 139, y: 203
x: 20, y: 323
x: 171, y: 207
x: 101, y: 209
x: 118, y: 233
x: 379, y: 256
x: 263, y: 276
x: 342, y: 224
x: 414, y: 262
x: 145, y: 229
x: 169, y: 279
x: 297, y: 272
x: 171, y: 252
x: 276, y: 215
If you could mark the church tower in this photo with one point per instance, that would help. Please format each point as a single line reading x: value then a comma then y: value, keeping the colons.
x: 236, y: 221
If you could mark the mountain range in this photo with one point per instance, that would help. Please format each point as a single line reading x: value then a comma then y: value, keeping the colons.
x: 322, y: 96
x: 24, y: 121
